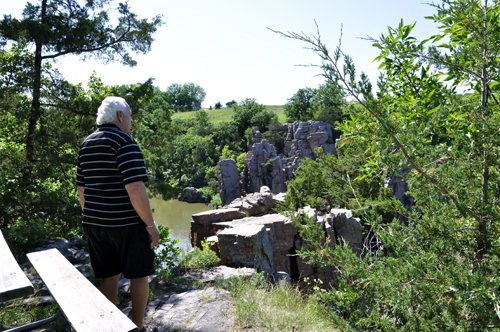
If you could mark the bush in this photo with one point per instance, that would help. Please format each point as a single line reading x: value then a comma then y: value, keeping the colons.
x: 248, y: 114
x: 240, y: 161
x: 199, y: 259
x: 167, y: 255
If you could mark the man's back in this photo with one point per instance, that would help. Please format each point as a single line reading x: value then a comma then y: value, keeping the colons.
x: 108, y: 160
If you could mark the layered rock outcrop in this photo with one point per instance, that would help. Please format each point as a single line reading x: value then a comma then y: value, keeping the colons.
x: 247, y: 245
x: 263, y: 168
x: 270, y: 242
x: 301, y: 140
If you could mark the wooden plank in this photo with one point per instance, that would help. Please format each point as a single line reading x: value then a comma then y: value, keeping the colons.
x: 85, y: 307
x: 13, y: 281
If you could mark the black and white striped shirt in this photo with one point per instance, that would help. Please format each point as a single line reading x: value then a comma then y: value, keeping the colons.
x: 108, y: 160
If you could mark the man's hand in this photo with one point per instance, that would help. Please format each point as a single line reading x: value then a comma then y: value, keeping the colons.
x: 154, y: 234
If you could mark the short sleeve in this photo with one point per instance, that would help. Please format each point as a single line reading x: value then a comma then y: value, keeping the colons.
x: 131, y: 163
x: 80, y: 180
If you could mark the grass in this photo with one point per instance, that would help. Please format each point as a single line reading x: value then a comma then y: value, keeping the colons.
x: 262, y: 306
x: 224, y: 114
x: 14, y: 314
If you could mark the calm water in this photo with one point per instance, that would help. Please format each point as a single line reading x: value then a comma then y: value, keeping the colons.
x: 176, y: 215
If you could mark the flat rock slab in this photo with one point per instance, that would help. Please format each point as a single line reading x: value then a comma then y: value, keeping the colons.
x: 195, y: 310
x: 211, y: 216
x: 219, y: 272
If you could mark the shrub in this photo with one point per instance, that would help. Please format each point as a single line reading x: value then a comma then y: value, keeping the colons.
x: 200, y: 258
x: 240, y: 161
x: 167, y: 255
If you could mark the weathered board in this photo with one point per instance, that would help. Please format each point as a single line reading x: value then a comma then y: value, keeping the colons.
x: 85, y: 307
x: 13, y: 281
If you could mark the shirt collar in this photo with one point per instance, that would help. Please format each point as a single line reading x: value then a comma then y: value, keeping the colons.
x: 108, y: 125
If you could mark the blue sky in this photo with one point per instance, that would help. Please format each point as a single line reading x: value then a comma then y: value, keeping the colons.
x: 226, y: 48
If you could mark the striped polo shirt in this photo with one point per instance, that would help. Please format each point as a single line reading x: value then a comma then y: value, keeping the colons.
x: 108, y: 160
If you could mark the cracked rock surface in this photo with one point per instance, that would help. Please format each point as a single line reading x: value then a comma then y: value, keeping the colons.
x: 194, y: 310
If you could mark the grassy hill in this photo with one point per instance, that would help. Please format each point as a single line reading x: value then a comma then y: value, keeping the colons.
x: 224, y: 114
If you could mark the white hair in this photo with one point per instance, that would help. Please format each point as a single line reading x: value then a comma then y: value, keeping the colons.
x: 109, y: 106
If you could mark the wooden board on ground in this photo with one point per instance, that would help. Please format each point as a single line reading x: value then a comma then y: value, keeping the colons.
x: 85, y: 307
x: 13, y: 281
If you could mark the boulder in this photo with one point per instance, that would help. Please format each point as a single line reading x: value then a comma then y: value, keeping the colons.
x: 257, y: 203
x: 348, y: 229
x: 229, y: 182
x: 283, y: 234
x: 282, y: 277
x: 76, y: 256
x: 191, y: 195
x: 247, y: 246
x: 201, y: 226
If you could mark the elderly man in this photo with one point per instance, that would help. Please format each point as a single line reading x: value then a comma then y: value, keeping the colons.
x: 117, y: 218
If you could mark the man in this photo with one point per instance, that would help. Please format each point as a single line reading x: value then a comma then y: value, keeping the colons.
x: 117, y: 218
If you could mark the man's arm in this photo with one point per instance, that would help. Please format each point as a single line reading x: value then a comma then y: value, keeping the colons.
x: 81, y: 191
x: 140, y: 201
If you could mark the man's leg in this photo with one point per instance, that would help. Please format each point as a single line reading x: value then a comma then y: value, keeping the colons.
x: 139, y: 292
x: 109, y: 287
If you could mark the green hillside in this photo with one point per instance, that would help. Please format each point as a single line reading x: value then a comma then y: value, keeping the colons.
x: 224, y: 114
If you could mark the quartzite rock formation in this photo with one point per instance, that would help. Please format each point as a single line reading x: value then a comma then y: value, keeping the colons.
x: 229, y: 182
x: 245, y: 246
x: 301, y: 138
x: 270, y: 242
x: 263, y: 168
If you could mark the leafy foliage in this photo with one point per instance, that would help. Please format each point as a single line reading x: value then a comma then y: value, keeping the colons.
x: 200, y: 258
x: 437, y: 270
x: 326, y: 103
x: 167, y: 255
x: 186, y: 97
x: 231, y: 103
x: 45, y: 118
x: 248, y: 114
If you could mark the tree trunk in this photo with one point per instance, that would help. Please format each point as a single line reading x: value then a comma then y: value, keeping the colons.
x: 35, y: 104
x: 483, y: 231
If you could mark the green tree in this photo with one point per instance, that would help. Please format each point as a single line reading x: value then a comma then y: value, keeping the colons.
x: 439, y: 270
x: 218, y: 105
x: 325, y: 104
x: 185, y: 97
x: 300, y: 107
x: 249, y: 113
x: 59, y: 28
x: 231, y: 103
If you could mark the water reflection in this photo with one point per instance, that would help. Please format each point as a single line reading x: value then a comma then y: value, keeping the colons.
x: 176, y: 215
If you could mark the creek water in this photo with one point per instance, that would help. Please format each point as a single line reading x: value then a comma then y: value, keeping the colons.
x: 176, y: 215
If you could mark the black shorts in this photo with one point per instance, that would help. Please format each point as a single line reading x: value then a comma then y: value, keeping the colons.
x: 124, y: 250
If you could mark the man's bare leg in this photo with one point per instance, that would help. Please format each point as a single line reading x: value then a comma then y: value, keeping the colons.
x: 109, y: 287
x: 139, y: 292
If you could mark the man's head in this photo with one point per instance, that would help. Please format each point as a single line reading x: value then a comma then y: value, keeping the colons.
x: 115, y: 110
